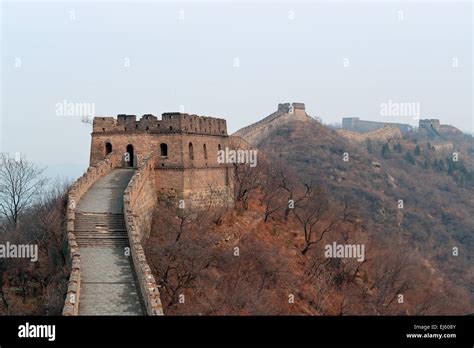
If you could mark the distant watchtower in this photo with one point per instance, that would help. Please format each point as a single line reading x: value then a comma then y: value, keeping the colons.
x: 183, y: 148
x: 429, y: 124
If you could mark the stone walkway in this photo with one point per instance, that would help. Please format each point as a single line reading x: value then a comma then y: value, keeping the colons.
x: 108, y: 286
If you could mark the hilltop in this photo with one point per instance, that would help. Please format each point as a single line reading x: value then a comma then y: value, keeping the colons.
x: 437, y: 191
x: 263, y: 257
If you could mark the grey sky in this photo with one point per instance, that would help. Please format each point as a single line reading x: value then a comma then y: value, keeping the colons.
x: 286, y: 51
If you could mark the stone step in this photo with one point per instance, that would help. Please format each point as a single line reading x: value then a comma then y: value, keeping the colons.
x: 102, y: 233
x: 79, y: 223
x: 124, y: 236
x: 79, y: 227
x: 99, y: 219
x: 104, y: 245
x: 99, y: 222
x: 100, y: 216
x: 98, y: 228
x: 87, y: 243
x: 92, y: 237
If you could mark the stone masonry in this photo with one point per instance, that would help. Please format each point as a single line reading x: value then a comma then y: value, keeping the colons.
x: 108, y: 286
x: 362, y: 126
x: 106, y: 278
x: 183, y: 149
x: 382, y: 134
x: 133, y: 164
x: 285, y: 113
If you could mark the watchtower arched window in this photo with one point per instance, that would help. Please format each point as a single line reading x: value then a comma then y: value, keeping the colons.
x: 191, y: 152
x: 204, y: 148
x: 218, y: 147
x: 164, y: 150
x: 108, y: 148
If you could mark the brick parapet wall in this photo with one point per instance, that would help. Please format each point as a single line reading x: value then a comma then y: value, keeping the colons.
x: 139, y: 202
x: 382, y: 134
x: 77, y: 190
x: 256, y: 132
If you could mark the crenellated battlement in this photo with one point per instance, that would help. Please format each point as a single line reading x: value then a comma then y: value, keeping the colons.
x: 171, y: 122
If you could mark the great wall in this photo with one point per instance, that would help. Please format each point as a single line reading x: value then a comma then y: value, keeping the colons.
x: 107, y: 264
x: 382, y: 134
x: 134, y: 165
x: 353, y: 129
x: 359, y: 131
x: 183, y: 149
x: 362, y: 126
x: 285, y: 113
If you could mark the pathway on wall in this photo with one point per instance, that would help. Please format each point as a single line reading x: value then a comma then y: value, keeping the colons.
x: 108, y: 286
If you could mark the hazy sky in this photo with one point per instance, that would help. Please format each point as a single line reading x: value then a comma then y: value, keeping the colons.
x: 225, y: 59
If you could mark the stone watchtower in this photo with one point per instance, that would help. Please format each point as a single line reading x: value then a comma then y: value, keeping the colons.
x: 429, y: 124
x: 183, y: 149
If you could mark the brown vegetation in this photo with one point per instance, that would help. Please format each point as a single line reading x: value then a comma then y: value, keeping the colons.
x: 267, y: 256
x: 27, y: 287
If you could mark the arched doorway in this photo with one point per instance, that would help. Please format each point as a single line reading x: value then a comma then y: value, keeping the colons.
x: 108, y: 148
x: 130, y: 156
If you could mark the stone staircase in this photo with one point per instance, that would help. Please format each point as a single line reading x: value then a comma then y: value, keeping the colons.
x: 107, y: 230
x: 108, y: 285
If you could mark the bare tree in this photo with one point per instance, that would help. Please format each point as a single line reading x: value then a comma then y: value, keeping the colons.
x: 185, y: 221
x: 184, y: 254
x: 20, y: 184
x: 313, y: 212
x: 3, y: 273
x: 256, y: 282
x: 391, y: 277
x: 287, y: 182
x: 46, y: 222
x: 273, y: 198
x: 246, y: 180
